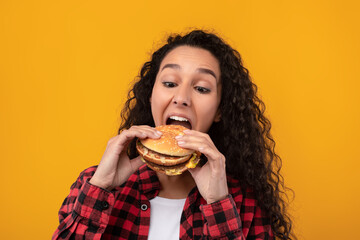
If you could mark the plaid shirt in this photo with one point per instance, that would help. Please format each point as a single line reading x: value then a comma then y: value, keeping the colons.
x: 90, y: 212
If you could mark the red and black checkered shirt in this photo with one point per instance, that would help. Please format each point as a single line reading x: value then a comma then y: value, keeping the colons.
x: 90, y: 212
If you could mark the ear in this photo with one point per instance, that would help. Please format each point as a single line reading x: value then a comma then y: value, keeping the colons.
x: 217, y: 116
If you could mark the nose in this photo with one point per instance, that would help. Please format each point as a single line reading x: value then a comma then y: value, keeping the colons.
x: 182, y: 96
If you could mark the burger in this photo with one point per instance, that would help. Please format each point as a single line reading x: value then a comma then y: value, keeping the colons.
x: 164, y: 155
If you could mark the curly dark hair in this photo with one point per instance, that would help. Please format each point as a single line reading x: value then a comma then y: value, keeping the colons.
x: 243, y: 134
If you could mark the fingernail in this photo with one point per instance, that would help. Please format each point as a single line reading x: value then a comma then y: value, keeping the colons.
x: 178, y: 136
x: 158, y: 134
x: 187, y: 131
x: 181, y: 142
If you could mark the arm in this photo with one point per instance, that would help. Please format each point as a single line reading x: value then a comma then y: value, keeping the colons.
x: 223, y: 220
x: 85, y: 211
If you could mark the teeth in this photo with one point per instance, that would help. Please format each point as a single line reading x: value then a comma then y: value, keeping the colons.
x: 179, y: 118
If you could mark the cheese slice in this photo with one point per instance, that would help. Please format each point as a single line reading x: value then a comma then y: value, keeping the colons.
x: 192, y: 163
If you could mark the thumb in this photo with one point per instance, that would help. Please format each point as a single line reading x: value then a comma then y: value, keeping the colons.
x: 136, y: 163
x: 194, y: 171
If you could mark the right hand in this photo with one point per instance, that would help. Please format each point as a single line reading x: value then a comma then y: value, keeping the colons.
x: 115, y: 166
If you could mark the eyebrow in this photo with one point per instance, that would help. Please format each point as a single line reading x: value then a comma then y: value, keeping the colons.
x: 200, y: 70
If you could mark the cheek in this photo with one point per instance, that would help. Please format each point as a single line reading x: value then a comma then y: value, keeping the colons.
x: 208, y: 106
x: 155, y: 95
x: 158, y: 98
x: 159, y: 102
x: 206, y: 112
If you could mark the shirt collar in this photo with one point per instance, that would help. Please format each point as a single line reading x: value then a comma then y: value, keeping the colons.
x: 149, y: 185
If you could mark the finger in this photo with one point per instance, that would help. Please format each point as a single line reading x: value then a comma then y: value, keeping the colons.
x: 194, y: 138
x: 127, y: 135
x: 145, y: 127
x: 196, y: 133
x: 199, y: 144
x: 150, y: 132
x: 214, y: 157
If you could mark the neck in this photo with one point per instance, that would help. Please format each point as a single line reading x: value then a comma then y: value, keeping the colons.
x: 175, y: 187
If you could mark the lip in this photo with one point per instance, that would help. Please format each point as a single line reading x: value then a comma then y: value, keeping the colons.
x: 179, y: 115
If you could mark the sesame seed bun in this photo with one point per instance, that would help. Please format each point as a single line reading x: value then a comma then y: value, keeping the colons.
x: 167, y: 143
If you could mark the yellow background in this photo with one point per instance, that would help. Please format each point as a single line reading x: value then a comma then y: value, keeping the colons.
x: 65, y: 67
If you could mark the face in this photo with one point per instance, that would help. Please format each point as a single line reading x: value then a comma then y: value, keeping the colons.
x: 187, y: 89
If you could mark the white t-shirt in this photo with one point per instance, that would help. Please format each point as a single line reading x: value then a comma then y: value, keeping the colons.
x: 165, y: 215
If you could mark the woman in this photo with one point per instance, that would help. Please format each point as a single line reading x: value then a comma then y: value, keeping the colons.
x: 197, y: 79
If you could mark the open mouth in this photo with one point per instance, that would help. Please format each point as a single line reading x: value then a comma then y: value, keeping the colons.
x: 176, y: 120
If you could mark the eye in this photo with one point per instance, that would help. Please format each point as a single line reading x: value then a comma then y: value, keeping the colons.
x: 202, y: 90
x: 169, y: 84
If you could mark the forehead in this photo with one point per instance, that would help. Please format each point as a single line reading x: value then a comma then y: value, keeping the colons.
x: 192, y: 58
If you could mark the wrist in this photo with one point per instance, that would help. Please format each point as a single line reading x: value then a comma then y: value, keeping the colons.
x: 220, y: 198
x: 95, y: 182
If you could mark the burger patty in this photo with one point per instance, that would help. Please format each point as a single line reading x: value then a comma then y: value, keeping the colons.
x: 175, y: 169
x: 168, y: 170
x: 160, y: 159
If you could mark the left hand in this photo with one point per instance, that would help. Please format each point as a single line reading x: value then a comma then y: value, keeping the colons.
x: 210, y: 178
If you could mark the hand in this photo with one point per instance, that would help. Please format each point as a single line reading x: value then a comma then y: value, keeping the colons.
x: 210, y: 178
x: 115, y: 166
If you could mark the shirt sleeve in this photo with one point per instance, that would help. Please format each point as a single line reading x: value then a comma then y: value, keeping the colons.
x: 223, y: 221
x: 85, y: 212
